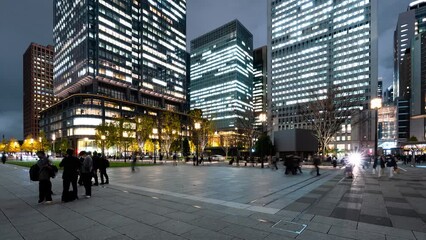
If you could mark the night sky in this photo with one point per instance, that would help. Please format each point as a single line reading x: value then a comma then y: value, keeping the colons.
x: 26, y: 21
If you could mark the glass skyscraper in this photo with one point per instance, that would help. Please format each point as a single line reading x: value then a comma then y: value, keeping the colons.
x: 260, y: 81
x: 221, y: 82
x: 318, y: 45
x: 116, y: 58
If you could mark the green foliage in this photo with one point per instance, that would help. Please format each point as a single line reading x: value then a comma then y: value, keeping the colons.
x: 413, y: 139
x: 176, y: 146
x: 169, y: 132
x: 263, y: 146
x: 186, y: 149
x: 63, y: 145
x: 144, y: 126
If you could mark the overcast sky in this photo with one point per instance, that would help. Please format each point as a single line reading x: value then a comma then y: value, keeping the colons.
x: 26, y: 21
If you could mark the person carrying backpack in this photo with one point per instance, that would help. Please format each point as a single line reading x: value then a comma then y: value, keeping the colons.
x: 71, y: 165
x: 44, y: 184
x: 3, y: 158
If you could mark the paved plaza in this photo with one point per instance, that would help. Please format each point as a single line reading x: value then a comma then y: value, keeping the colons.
x: 219, y: 202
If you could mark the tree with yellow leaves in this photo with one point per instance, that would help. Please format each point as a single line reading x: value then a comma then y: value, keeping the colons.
x: 30, y: 144
x: 13, y: 146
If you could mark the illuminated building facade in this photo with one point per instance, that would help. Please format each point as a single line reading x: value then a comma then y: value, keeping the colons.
x: 130, y: 51
x: 221, y: 82
x: 38, y: 85
x: 317, y: 45
x: 260, y: 80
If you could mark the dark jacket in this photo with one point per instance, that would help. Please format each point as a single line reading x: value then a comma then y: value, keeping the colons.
x: 71, y: 167
x: 45, y: 169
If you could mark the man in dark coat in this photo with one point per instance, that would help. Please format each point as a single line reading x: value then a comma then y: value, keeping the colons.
x: 96, y: 161
x: 71, y: 165
x: 317, y: 162
x: 44, y: 184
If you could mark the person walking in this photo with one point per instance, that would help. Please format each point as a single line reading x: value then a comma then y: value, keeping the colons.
x: 174, y: 159
x: 44, y: 184
x: 274, y: 163
x: 375, y: 163
x: 71, y: 165
x: 3, y: 158
x: 104, y: 164
x: 133, y: 161
x: 382, y: 166
x: 317, y: 162
x: 86, y: 171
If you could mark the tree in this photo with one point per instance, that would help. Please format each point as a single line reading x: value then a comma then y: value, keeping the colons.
x: 201, y: 135
x: 3, y: 145
x: 170, y: 125
x: 63, y: 145
x: 176, y: 146
x: 247, y: 132
x: 13, y: 146
x: 30, y: 144
x: 264, y: 147
x: 144, y: 126
x: 327, y: 111
x: 148, y: 147
x: 186, y: 151
x: 45, y: 144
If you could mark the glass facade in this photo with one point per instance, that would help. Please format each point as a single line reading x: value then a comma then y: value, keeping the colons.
x: 221, y: 81
x: 317, y: 45
x: 137, y: 45
x: 260, y: 79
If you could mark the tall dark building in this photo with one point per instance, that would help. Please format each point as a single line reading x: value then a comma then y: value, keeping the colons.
x: 380, y: 88
x: 260, y: 81
x: 222, y: 75
x: 38, y: 85
x: 116, y: 58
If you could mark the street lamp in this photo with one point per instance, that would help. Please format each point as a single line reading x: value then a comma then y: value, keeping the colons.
x: 376, y: 104
x: 53, y: 144
x: 103, y: 146
x: 197, y: 127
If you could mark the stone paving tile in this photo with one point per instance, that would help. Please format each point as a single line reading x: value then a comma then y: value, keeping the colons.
x: 402, y: 212
x: 52, y: 234
x: 297, y: 207
x: 346, y: 213
x: 350, y: 205
x: 352, y: 199
x: 416, y: 195
x: 355, y: 234
x: 398, y: 200
x: 306, y: 200
x: 409, y: 223
x: 377, y: 220
x: 137, y: 230
x: 337, y: 222
x: 388, y: 231
x: 274, y: 236
x: 175, y: 227
x: 318, y: 227
x: 200, y: 233
x: 243, y: 232
x: 419, y: 235
x: 311, y: 235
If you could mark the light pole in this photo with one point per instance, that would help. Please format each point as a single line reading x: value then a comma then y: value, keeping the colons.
x: 154, y: 132
x: 103, y: 146
x: 53, y: 143
x: 376, y: 104
x: 197, y: 127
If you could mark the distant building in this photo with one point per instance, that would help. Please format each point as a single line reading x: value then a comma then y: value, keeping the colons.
x: 380, y: 88
x: 38, y: 85
x: 410, y: 23
x: 115, y: 58
x: 260, y: 87
x: 222, y: 75
x: 315, y: 46
x: 387, y: 128
x: 388, y: 95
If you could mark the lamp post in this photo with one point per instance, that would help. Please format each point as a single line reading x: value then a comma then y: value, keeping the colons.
x: 376, y: 104
x: 197, y: 127
x: 154, y: 132
x: 103, y: 137
x: 53, y: 143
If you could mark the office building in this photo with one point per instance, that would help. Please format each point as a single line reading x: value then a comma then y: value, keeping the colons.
x: 410, y: 23
x: 260, y: 81
x: 315, y: 46
x: 222, y: 76
x: 119, y: 54
x: 38, y: 85
x: 380, y: 88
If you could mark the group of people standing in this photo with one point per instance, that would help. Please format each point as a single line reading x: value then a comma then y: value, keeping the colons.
x: 388, y: 161
x: 85, y: 166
